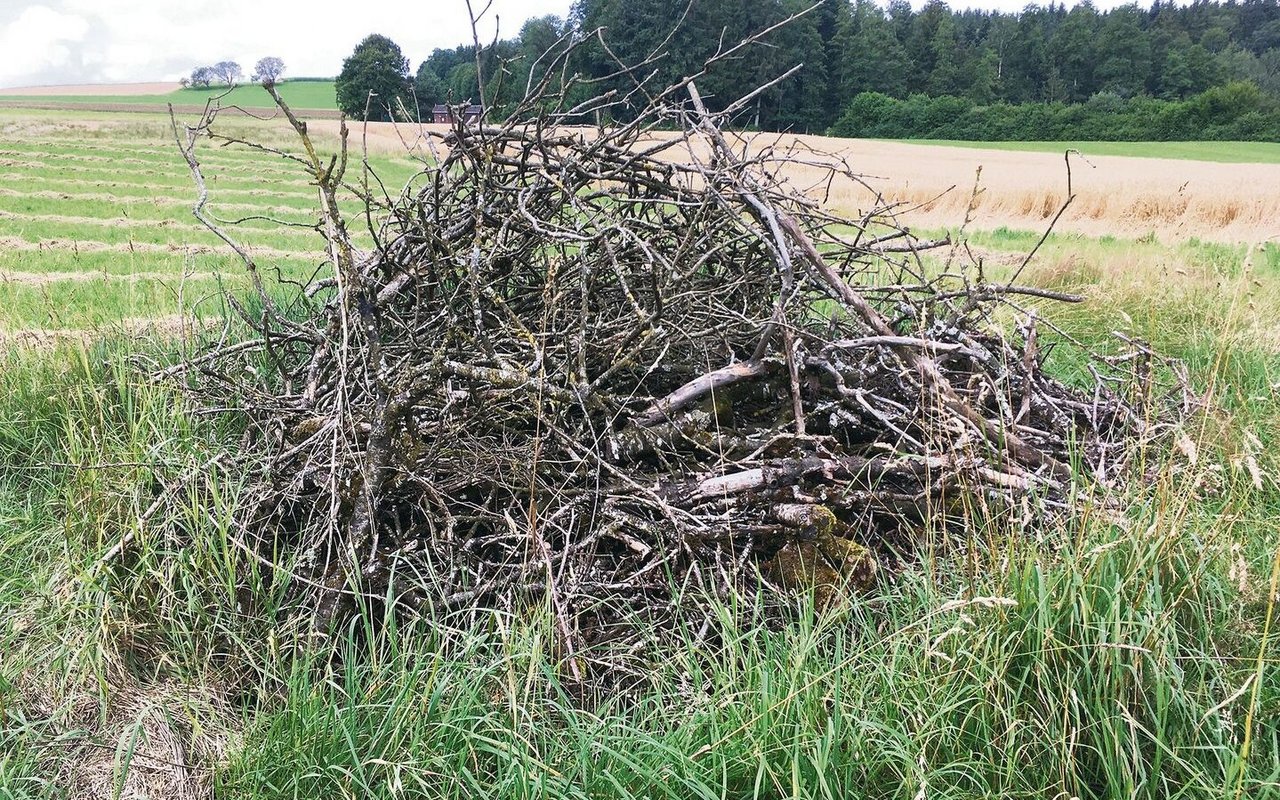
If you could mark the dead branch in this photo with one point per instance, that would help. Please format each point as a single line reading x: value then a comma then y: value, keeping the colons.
x: 581, y: 366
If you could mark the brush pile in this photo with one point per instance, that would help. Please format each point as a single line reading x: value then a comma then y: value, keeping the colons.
x: 583, y: 369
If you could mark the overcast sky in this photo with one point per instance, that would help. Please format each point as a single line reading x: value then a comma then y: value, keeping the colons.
x: 45, y: 42
x: 111, y: 41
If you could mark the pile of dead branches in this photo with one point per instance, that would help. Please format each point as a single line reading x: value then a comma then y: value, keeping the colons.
x: 588, y: 368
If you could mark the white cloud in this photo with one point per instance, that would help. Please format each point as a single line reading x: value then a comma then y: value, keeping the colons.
x: 40, y: 41
x: 89, y: 41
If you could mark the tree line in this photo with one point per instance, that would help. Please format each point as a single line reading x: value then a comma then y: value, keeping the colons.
x: 1235, y: 112
x: 1050, y: 62
x: 267, y: 71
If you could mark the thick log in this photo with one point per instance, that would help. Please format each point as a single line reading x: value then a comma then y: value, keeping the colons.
x: 700, y: 387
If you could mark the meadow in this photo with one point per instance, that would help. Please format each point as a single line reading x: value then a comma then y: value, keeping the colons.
x: 98, y: 230
x: 310, y: 94
x: 1220, y: 152
x: 1130, y: 652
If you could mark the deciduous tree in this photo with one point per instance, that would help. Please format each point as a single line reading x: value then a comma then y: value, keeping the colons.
x: 268, y: 70
x: 428, y: 88
x: 201, y: 77
x: 375, y: 76
x: 227, y: 71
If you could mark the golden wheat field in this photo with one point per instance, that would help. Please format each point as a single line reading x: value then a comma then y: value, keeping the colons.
x: 1171, y: 199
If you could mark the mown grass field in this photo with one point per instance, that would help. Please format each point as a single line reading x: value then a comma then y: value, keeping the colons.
x: 1221, y: 152
x: 97, y: 225
x: 299, y: 94
x: 1129, y: 653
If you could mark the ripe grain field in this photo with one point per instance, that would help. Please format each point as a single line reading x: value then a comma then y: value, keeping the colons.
x: 1187, y: 194
x: 1128, y: 652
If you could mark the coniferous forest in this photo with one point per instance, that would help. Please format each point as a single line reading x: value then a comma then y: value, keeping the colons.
x: 1208, y: 70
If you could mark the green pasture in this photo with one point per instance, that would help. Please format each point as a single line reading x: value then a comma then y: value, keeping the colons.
x: 1131, y: 650
x: 1223, y: 152
x: 112, y: 203
x: 298, y: 94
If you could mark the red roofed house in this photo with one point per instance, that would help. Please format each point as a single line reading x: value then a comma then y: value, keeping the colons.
x: 442, y: 114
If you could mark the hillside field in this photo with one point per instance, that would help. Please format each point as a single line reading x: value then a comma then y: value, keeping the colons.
x: 306, y: 94
x: 1130, y: 652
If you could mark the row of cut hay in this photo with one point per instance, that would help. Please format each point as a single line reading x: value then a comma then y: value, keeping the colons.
x: 95, y: 241
x: 70, y: 162
x: 39, y: 169
x: 131, y: 201
x: 122, y: 188
x: 168, y: 225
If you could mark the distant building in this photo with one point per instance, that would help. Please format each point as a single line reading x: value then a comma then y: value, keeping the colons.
x: 444, y: 115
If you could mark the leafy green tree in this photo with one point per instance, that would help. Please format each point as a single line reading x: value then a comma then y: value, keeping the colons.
x: 1174, y: 78
x: 946, y: 78
x: 799, y: 103
x: 428, y: 88
x: 1266, y: 37
x: 541, y: 40
x: 1237, y: 63
x: 984, y: 78
x: 666, y: 40
x: 1215, y: 40
x: 1124, y: 52
x: 1072, y: 49
x: 1055, y: 88
x: 228, y: 72
x: 202, y: 77
x: 872, y: 59
x: 462, y: 84
x: 375, y: 76
x: 829, y: 15
x: 268, y: 70
x: 442, y: 61
x: 1026, y: 62
x: 867, y: 115
x: 1046, y: 54
x: 921, y: 46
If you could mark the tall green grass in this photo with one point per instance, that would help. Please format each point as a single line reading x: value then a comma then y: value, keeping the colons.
x: 1094, y: 671
x: 1118, y: 656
